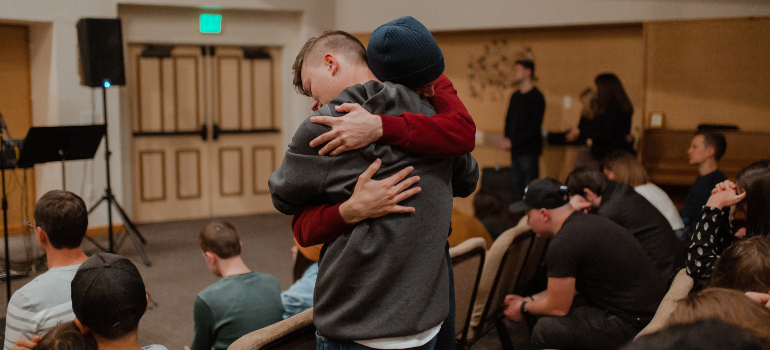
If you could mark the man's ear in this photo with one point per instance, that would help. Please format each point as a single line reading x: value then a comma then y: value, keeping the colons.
x: 148, y: 302
x: 41, y: 236
x: 546, y: 214
x: 331, y: 63
x: 211, y: 256
x: 83, y: 329
x: 710, y: 151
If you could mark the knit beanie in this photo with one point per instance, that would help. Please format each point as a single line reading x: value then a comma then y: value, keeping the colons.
x: 404, y: 52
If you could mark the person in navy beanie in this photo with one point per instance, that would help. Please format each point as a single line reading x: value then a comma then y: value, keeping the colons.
x: 404, y: 52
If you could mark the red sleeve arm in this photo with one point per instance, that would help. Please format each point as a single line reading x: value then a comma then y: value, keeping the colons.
x: 450, y: 133
x: 317, y: 225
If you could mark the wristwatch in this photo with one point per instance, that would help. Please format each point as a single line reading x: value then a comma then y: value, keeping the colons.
x: 523, y: 309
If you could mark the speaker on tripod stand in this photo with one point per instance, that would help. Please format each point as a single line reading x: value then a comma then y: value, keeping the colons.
x: 101, y: 65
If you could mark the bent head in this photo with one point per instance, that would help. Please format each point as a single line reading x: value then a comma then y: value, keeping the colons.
x: 755, y: 181
x: 219, y: 240
x: 323, y: 67
x: 589, y: 184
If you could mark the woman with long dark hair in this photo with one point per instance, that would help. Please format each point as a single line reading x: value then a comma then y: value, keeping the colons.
x: 713, y: 234
x: 612, y: 118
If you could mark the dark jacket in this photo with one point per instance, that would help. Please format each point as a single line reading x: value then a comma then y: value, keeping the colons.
x: 523, y: 122
x: 622, y: 204
x: 388, y: 276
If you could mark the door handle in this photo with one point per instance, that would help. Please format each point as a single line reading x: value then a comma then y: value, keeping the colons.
x: 204, y: 132
x: 216, y: 131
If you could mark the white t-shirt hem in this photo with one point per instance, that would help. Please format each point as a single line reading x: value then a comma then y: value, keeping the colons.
x: 409, y: 341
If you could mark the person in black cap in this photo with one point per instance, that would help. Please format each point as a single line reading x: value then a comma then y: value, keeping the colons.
x: 109, y: 299
x: 380, y: 284
x: 620, y: 203
x: 602, y: 288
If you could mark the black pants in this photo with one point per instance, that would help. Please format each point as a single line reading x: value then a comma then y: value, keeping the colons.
x: 445, y: 339
x: 584, y: 327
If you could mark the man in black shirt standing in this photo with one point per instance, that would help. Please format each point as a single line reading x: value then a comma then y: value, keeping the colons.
x: 705, y: 151
x: 523, y: 136
x: 602, y: 288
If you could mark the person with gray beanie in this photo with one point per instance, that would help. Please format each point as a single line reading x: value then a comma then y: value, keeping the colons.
x: 380, y: 285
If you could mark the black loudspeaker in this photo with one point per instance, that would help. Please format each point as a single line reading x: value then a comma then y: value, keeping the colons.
x: 101, y: 52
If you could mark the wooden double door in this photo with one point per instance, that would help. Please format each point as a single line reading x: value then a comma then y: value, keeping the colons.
x: 205, y: 130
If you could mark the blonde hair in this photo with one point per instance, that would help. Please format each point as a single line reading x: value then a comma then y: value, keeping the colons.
x: 626, y: 168
x: 728, y: 305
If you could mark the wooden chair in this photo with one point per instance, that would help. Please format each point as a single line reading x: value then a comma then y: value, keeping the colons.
x: 467, y: 264
x: 297, y: 332
x: 679, y: 289
x: 503, y: 265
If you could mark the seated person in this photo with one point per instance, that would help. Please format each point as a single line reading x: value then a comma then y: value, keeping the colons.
x: 590, y: 256
x: 299, y: 297
x: 623, y: 167
x: 711, y: 334
x: 241, y: 302
x: 61, y: 220
x: 66, y: 336
x: 713, y: 231
x: 728, y: 305
x: 109, y: 299
x: 705, y: 151
x: 744, y: 266
x: 622, y: 204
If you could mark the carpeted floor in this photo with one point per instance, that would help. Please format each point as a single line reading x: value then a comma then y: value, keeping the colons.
x: 178, y: 272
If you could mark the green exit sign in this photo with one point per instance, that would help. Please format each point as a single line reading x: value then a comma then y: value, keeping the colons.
x: 211, y: 23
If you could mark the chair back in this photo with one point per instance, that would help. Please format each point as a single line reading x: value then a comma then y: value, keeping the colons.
x: 296, y: 332
x: 502, y: 267
x: 679, y: 289
x: 535, y: 259
x: 467, y: 263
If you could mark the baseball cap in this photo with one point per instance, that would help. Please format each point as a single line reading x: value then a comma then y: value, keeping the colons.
x: 544, y: 193
x: 108, y: 295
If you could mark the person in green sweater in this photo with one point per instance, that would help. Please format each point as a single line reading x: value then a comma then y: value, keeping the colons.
x: 241, y: 302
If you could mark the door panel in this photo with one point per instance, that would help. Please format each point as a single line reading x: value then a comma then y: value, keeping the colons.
x: 177, y: 173
x: 168, y: 157
x: 239, y: 107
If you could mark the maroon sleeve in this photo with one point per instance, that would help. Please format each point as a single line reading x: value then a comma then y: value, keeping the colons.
x: 449, y: 133
x: 317, y: 225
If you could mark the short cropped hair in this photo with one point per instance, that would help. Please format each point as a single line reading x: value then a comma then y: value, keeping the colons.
x: 220, y: 238
x: 582, y: 178
x: 529, y: 64
x: 626, y: 168
x: 330, y: 41
x: 715, y: 140
x: 64, y: 218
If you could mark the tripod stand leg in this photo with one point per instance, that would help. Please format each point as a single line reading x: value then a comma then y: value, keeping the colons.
x: 129, y: 224
x: 132, y: 234
x: 104, y: 198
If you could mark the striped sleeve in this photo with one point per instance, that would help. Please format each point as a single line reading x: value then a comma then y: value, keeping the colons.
x: 24, y: 322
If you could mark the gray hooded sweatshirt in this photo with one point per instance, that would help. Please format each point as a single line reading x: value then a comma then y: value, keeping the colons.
x: 388, y: 276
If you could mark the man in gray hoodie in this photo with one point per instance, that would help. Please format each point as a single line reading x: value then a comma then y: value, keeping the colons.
x: 384, y: 283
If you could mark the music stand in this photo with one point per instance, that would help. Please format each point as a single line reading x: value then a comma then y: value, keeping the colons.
x: 60, y: 143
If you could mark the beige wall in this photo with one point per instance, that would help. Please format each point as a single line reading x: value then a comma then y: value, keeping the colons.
x: 721, y: 75
x: 363, y: 16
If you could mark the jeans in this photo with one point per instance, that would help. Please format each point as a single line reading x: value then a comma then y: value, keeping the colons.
x: 524, y: 169
x: 323, y: 343
x: 584, y: 327
x: 445, y: 339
